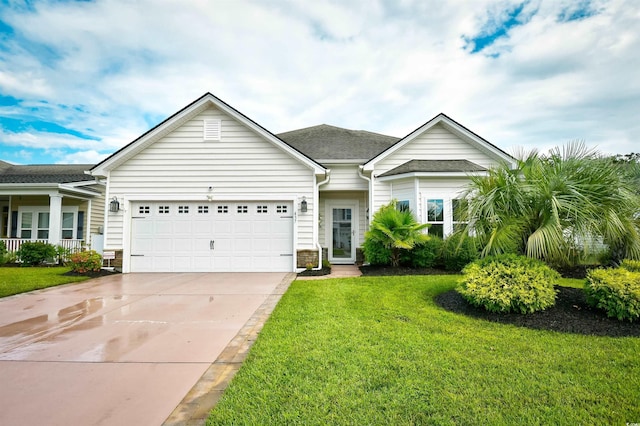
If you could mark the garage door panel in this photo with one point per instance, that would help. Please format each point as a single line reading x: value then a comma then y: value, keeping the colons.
x: 220, y: 236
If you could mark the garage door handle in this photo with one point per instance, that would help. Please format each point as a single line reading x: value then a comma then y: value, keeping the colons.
x: 137, y: 255
x: 212, y: 245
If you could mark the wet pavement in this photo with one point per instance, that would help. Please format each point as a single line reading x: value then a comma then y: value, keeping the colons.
x: 119, y: 350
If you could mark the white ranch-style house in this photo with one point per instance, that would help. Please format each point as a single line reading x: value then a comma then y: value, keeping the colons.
x: 209, y: 189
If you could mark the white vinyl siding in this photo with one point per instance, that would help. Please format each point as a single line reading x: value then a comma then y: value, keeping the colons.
x: 345, y: 178
x: 241, y: 164
x: 405, y: 189
x: 436, y: 144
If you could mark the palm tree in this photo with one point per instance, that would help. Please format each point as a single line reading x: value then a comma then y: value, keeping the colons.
x: 394, y: 229
x: 555, y: 207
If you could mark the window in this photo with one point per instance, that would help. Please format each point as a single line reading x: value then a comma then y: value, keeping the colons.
x: 144, y: 209
x: 435, y: 217
x: 43, y: 225
x: 281, y: 209
x: 223, y: 209
x: 163, y: 209
x: 203, y: 209
x: 26, y: 223
x: 183, y: 209
x: 403, y: 205
x: 262, y: 209
x: 459, y: 208
x: 35, y: 223
x: 243, y: 209
x: 67, y: 225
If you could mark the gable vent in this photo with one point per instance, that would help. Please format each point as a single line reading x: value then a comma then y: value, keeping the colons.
x: 212, y: 130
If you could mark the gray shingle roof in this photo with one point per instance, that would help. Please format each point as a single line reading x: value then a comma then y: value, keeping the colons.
x: 326, y: 142
x: 426, y: 166
x: 44, y: 173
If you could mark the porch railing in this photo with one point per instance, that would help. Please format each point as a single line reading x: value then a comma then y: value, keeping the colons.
x: 13, y: 244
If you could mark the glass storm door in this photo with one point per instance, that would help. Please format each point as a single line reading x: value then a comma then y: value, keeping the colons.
x: 343, y: 242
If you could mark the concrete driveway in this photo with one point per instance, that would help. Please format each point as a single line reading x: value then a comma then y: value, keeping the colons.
x: 119, y: 350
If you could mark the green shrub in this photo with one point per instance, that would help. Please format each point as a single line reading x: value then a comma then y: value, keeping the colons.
x: 457, y: 255
x: 3, y: 253
x: 36, y: 253
x: 631, y: 265
x: 617, y: 291
x: 392, y: 232
x: 375, y: 252
x: 509, y: 283
x: 426, y: 254
x: 85, y: 261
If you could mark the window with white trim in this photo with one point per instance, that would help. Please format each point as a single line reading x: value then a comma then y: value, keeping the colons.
x: 223, y: 209
x: 243, y: 209
x: 203, y: 209
x: 68, y: 225
x: 262, y: 209
x: 435, y: 217
x: 281, y: 209
x: 34, y: 223
x: 144, y: 210
x: 163, y: 209
x: 183, y: 209
x: 459, y: 207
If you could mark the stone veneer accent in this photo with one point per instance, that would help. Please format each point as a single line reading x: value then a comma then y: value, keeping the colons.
x: 307, y: 256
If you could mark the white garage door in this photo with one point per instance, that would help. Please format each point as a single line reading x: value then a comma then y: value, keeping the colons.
x: 212, y: 237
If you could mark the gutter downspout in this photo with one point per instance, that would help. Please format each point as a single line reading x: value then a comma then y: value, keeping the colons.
x: 316, y: 218
x: 370, y: 180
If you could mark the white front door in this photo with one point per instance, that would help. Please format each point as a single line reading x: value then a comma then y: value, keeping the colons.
x: 342, y: 230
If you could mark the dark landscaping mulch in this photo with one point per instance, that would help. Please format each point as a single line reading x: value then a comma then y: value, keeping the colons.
x: 100, y: 273
x: 579, y: 271
x: 312, y: 273
x: 372, y: 271
x: 571, y: 314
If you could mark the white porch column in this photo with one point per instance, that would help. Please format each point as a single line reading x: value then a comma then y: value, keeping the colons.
x: 55, y: 219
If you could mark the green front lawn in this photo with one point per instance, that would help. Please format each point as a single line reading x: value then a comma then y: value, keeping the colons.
x: 21, y: 280
x: 379, y: 351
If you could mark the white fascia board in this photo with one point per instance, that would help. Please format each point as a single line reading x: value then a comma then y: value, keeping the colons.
x: 453, y: 127
x: 329, y: 162
x: 429, y: 175
x: 148, y: 138
x: 317, y: 168
x: 183, y: 116
x: 45, y: 189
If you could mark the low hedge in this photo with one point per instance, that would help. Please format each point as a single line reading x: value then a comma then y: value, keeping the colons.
x: 36, y: 252
x: 509, y: 283
x: 631, y: 265
x: 427, y: 254
x: 456, y: 255
x: 616, y: 291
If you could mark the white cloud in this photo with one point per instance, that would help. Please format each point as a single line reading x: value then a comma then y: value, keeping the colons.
x: 112, y: 69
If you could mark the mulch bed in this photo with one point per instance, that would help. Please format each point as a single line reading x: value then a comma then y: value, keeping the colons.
x: 571, y: 314
x: 312, y: 273
x: 100, y: 273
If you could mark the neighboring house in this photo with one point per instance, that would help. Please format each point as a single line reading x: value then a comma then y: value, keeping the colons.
x: 209, y: 189
x: 58, y: 204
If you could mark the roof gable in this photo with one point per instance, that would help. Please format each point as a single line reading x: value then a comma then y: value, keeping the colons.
x: 184, y: 115
x: 452, y: 126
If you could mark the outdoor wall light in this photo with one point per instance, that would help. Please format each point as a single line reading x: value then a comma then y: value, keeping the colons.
x: 114, y: 205
x: 303, y: 205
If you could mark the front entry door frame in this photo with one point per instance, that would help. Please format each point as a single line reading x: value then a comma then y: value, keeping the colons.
x: 349, y: 256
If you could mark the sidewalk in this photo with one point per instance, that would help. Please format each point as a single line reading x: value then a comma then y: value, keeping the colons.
x: 337, y: 271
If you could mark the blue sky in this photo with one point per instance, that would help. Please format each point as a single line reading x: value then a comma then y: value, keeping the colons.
x: 80, y: 79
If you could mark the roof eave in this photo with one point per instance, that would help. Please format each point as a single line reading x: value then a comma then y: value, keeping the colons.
x: 179, y: 118
x: 429, y: 175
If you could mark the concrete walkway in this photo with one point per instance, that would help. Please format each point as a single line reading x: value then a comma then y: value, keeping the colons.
x: 126, y: 349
